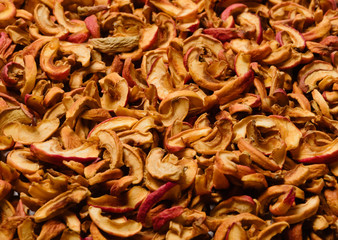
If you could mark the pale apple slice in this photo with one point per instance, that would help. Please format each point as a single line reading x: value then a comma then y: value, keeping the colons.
x: 6, y: 142
x: 242, y: 63
x: 134, y: 162
x: 279, y: 55
x: 115, y: 91
x: 7, y: 14
x: 51, y: 152
x: 31, y: 134
x: 176, y: 65
x: 239, y: 204
x: 117, y: 124
x: 272, y: 230
x: 120, y: 227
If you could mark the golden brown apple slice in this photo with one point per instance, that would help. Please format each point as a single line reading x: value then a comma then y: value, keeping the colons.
x: 115, y: 91
x: 51, y: 152
x: 61, y: 203
x: 238, y: 204
x: 163, y: 168
x: 134, y: 162
x: 31, y: 134
x: 120, y: 227
x: 21, y: 159
x: 272, y: 230
x: 56, y: 72
x: 117, y: 124
x: 7, y: 14
x: 148, y: 37
x: 125, y: 202
x: 6, y: 142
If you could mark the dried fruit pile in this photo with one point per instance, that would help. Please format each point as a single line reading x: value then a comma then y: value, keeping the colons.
x: 169, y: 120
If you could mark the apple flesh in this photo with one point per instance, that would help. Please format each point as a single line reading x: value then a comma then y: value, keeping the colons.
x: 165, y: 216
x: 232, y: 10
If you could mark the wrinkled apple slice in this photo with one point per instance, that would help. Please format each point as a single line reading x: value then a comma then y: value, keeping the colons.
x: 31, y: 134
x: 120, y: 227
x: 125, y: 202
x: 161, y: 167
x: 312, y: 152
x: 242, y: 63
x: 224, y: 34
x: 57, y: 72
x: 21, y: 159
x: 165, y: 216
x: 159, y: 77
x: 6, y: 142
x: 61, y: 203
x: 82, y: 52
x: 134, y: 162
x: 45, y: 24
x: 148, y: 37
x: 115, y: 91
x: 52, y: 152
x: 7, y: 14
x: 11, y: 73
x: 309, y: 81
x: 272, y: 230
x: 93, y: 26
x: 152, y: 199
x: 247, y: 18
x: 238, y: 204
x: 300, y: 211
x: 296, y: 37
x: 117, y: 124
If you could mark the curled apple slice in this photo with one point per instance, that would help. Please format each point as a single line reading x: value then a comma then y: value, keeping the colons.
x: 30, y: 134
x: 61, y: 203
x: 165, y: 216
x: 115, y: 91
x: 11, y: 73
x: 250, y: 19
x: 7, y: 13
x: 301, y: 211
x: 233, y: 10
x: 45, y: 24
x: 298, y: 40
x: 239, y: 204
x: 152, y: 199
x: 71, y: 26
x: 93, y: 26
x: 163, y: 168
x: 57, y: 72
x: 125, y: 202
x: 51, y: 152
x: 21, y: 159
x: 134, y: 162
x: 272, y: 230
x: 120, y: 227
x: 312, y: 151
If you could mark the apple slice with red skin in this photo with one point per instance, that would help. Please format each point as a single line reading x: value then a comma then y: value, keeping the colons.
x: 297, y: 38
x: 224, y: 34
x: 309, y: 81
x: 51, y: 152
x: 152, y: 199
x: 311, y: 154
x: 93, y: 26
x: 48, y: 53
x: 232, y: 10
x: 166, y: 216
x: 8, y: 73
x: 148, y: 37
x: 239, y: 204
x: 7, y: 14
x: 236, y: 231
x: 247, y: 18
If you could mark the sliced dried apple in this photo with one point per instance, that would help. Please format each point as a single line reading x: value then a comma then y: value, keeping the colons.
x: 52, y: 152
x: 120, y: 227
x: 31, y: 134
x: 21, y: 159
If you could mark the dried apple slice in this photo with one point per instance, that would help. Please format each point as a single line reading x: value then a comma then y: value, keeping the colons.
x: 21, y: 159
x: 152, y: 199
x: 232, y: 10
x: 134, y: 162
x: 247, y: 18
x: 8, y: 12
x: 51, y: 152
x: 120, y: 227
x: 56, y: 72
x: 115, y: 91
x: 148, y: 37
x: 163, y: 168
x: 165, y: 216
x: 31, y: 134
x: 117, y: 124
x: 272, y: 230
x: 61, y: 203
x: 298, y: 40
x: 159, y: 77
x: 125, y: 202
